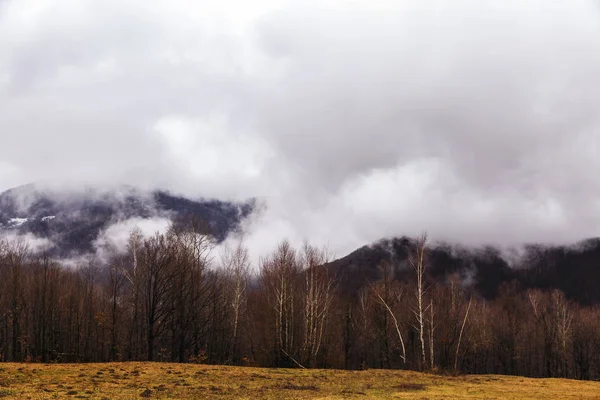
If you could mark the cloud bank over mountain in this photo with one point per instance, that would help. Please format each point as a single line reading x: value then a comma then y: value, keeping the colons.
x: 351, y: 120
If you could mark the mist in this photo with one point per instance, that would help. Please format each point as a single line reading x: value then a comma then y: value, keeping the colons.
x: 475, y: 121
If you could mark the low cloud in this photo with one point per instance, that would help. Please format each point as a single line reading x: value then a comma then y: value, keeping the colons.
x: 34, y: 243
x: 115, y: 237
x: 472, y: 120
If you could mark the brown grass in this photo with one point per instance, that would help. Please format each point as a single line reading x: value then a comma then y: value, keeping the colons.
x: 186, y: 381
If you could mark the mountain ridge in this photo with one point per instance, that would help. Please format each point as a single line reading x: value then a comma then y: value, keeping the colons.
x: 572, y: 268
x: 72, y: 219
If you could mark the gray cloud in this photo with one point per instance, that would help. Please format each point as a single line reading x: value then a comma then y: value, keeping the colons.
x: 474, y: 120
x: 116, y: 236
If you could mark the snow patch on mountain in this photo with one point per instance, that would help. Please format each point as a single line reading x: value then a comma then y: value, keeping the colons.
x: 85, y: 220
x: 16, y: 222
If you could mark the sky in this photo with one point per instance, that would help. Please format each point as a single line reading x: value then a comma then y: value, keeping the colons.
x: 474, y: 120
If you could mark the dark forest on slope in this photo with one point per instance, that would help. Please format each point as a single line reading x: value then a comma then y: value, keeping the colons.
x: 573, y: 269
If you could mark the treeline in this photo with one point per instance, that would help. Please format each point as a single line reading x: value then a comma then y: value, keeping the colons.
x: 173, y: 297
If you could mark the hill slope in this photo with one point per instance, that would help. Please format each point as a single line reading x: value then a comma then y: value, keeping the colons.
x: 73, y: 219
x: 574, y: 269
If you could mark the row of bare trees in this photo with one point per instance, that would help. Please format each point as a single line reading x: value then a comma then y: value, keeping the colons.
x: 174, y: 297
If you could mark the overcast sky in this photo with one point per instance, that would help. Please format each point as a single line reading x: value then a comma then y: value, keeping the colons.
x: 477, y: 121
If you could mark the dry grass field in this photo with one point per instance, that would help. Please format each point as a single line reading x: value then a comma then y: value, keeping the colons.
x: 186, y: 381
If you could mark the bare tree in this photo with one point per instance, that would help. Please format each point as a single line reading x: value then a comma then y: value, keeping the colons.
x: 44, y: 293
x: 131, y: 272
x: 384, y: 302
x: 156, y: 275
x: 13, y: 260
x: 88, y: 276
x: 318, y: 294
x: 116, y: 282
x: 418, y: 263
x: 552, y: 312
x: 278, y: 275
x: 193, y: 249
x: 431, y: 335
x: 236, y: 264
x: 462, y: 328
x: 563, y: 318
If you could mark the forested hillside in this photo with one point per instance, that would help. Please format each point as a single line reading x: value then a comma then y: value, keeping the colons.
x: 172, y: 297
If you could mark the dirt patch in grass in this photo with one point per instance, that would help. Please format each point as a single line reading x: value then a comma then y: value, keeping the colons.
x: 293, y: 386
x: 406, y: 387
x: 6, y: 382
x: 350, y: 392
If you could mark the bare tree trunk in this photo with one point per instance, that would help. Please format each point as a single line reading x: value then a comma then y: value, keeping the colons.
x: 318, y: 288
x: 462, y: 328
x: 396, y: 325
x: 237, y: 267
x: 431, y: 336
x: 278, y: 273
x: 563, y: 318
x: 133, y: 246
x: 417, y: 260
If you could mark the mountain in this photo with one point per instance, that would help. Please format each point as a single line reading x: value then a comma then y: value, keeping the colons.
x: 73, y: 219
x: 489, y: 271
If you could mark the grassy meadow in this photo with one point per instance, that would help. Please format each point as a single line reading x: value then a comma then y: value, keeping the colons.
x: 187, y: 381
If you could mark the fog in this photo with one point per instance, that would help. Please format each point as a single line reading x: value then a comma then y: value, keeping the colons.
x: 475, y: 121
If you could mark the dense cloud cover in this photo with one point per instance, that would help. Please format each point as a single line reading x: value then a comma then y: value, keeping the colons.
x: 352, y: 120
